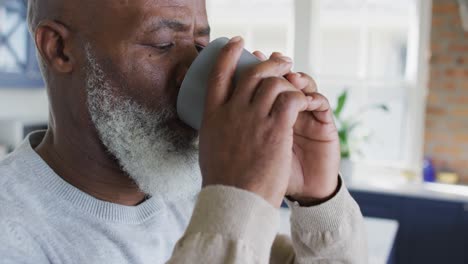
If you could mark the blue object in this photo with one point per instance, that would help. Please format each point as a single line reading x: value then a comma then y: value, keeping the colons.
x: 431, y: 231
x: 429, y: 174
x: 19, y: 67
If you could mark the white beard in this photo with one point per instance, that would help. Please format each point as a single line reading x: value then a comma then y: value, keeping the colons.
x: 146, y: 149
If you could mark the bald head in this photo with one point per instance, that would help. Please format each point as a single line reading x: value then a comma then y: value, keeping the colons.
x: 64, y: 11
x: 39, y: 10
x: 143, y: 47
x: 58, y: 17
x: 113, y: 69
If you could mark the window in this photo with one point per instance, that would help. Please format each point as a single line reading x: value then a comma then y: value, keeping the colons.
x: 265, y: 25
x: 363, y: 46
x: 373, y: 48
x: 18, y: 64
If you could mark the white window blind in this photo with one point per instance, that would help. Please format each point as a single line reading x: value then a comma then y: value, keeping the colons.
x: 265, y: 25
x: 373, y: 48
x: 363, y: 46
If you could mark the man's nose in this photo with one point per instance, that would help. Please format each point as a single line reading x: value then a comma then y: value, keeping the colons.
x: 189, y: 56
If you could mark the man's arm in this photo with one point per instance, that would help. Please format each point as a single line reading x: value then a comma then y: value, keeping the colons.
x: 230, y: 225
x: 331, y: 232
x: 264, y: 137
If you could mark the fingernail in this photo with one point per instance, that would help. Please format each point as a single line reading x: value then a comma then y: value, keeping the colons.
x: 235, y: 39
x: 287, y: 59
x: 263, y: 54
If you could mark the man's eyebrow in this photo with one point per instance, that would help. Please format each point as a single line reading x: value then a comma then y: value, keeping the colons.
x: 204, y: 31
x: 178, y: 26
x: 173, y: 24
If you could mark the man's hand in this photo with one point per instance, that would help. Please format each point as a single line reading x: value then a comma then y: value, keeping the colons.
x: 317, y: 151
x: 247, y: 133
x: 314, y: 175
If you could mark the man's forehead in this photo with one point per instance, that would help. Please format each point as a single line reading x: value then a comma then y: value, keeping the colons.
x: 122, y: 16
x: 113, y: 4
x: 181, y: 10
x: 126, y: 16
x: 150, y: 4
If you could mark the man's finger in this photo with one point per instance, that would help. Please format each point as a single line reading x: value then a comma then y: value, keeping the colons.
x: 320, y: 108
x: 220, y: 83
x: 287, y: 107
x: 260, y: 55
x: 276, y: 55
x: 268, y: 91
x: 302, y: 82
x: 251, y: 78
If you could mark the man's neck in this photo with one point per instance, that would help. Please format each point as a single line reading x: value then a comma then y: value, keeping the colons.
x: 83, y: 161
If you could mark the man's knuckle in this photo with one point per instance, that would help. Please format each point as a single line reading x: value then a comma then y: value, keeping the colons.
x: 273, y: 82
x: 279, y: 61
x: 253, y: 72
x: 284, y: 99
x: 228, y: 49
x: 216, y: 76
x: 263, y: 90
x: 322, y: 97
x: 313, y: 83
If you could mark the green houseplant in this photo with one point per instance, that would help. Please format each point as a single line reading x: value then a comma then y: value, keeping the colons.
x: 346, y: 126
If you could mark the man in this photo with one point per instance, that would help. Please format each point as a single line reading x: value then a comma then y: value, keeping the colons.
x: 116, y: 178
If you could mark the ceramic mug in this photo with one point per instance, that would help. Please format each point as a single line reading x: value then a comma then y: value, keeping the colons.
x: 191, y: 98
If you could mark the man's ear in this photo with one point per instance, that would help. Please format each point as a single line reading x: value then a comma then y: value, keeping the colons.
x: 54, y: 44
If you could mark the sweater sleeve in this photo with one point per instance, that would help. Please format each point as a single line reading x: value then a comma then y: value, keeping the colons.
x: 332, y: 232
x: 230, y: 225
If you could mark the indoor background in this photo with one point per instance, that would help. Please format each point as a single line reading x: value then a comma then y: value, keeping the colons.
x: 395, y: 72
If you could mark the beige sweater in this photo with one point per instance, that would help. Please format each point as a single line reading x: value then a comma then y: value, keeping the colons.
x: 45, y: 220
x: 230, y: 225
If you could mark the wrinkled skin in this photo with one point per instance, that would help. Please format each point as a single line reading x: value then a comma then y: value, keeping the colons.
x: 268, y: 134
x: 146, y: 47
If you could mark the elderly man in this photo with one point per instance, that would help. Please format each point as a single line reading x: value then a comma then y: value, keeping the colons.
x: 118, y: 178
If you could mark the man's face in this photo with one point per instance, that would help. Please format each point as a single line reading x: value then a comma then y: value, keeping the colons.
x: 134, y: 69
x: 146, y: 47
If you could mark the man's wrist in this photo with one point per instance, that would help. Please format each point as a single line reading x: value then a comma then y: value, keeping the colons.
x: 313, y: 201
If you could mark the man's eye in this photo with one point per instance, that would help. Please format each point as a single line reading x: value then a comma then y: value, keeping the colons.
x: 164, y: 47
x: 199, y: 47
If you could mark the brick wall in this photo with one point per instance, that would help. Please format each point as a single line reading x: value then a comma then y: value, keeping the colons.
x: 447, y: 109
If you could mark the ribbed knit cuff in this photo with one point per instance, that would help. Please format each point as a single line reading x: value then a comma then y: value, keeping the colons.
x: 236, y: 214
x: 327, y: 216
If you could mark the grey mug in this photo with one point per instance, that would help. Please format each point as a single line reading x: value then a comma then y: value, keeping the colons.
x: 191, y: 98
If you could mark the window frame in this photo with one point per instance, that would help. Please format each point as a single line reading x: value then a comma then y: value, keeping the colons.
x: 31, y: 76
x: 307, y: 26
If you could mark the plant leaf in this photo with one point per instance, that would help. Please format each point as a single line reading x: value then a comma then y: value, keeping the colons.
x: 344, y: 143
x: 341, y: 103
x: 384, y: 108
x: 381, y: 107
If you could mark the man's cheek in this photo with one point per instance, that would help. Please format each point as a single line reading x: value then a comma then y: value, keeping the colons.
x: 151, y: 88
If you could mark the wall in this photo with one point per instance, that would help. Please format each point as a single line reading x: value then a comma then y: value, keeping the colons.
x: 29, y: 104
x: 447, y: 107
